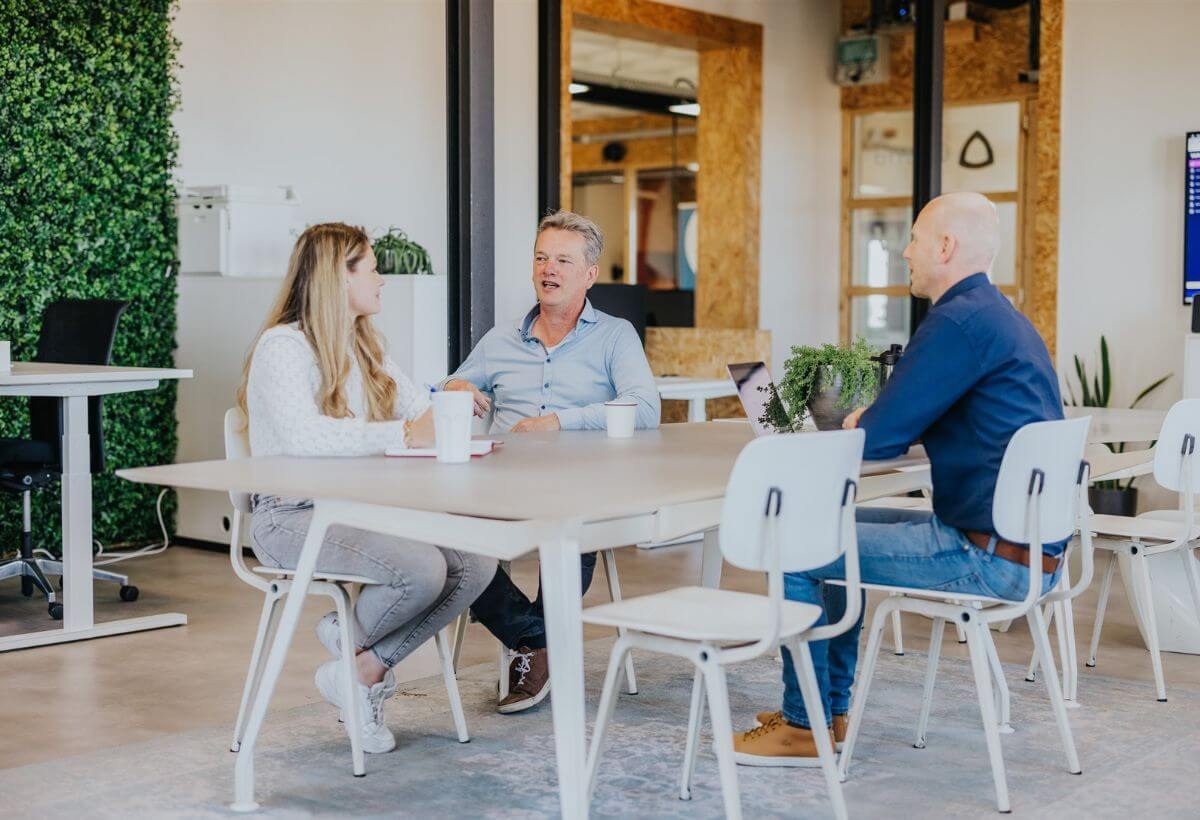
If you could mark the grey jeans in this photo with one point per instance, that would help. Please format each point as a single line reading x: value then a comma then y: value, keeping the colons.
x: 421, y: 588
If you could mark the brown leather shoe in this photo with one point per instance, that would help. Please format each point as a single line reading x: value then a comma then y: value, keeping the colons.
x: 776, y: 743
x: 840, y: 724
x: 528, y: 680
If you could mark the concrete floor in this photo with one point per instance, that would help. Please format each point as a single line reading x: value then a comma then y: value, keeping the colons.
x: 82, y: 697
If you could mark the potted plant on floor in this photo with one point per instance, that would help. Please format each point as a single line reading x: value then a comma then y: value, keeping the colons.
x: 826, y: 382
x: 1114, y: 497
x: 395, y: 253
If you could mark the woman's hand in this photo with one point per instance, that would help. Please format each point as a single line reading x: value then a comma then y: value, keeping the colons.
x: 482, y: 403
x: 418, y: 433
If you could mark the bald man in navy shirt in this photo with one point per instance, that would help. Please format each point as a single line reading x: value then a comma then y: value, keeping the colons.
x: 974, y: 373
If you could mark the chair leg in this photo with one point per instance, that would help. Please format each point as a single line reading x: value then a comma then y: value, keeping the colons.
x: 608, y: 704
x: 1041, y: 644
x: 33, y: 571
x: 1141, y: 572
x: 987, y: 709
x: 858, y: 704
x: 815, y: 706
x: 722, y: 726
x: 505, y: 655
x: 614, y: 593
x: 1193, y: 579
x: 935, y: 650
x: 1071, y: 662
x: 460, y: 634
x: 445, y: 654
x: 897, y: 634
x: 695, y: 723
x: 960, y: 633
x: 1064, y: 652
x: 349, y: 669
x: 254, y: 671
x: 1105, y: 587
x: 1003, y: 698
x: 1048, y: 617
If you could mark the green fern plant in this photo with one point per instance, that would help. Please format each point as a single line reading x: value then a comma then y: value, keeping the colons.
x: 396, y: 253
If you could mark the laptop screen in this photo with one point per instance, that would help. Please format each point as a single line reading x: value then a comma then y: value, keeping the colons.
x: 753, y: 382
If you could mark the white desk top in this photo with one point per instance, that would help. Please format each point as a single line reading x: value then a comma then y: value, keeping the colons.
x: 559, y: 475
x: 1113, y: 424
x: 684, y: 387
x: 41, y: 373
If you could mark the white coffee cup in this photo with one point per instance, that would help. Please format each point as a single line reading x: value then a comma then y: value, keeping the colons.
x: 452, y: 414
x: 620, y: 417
x: 5, y: 357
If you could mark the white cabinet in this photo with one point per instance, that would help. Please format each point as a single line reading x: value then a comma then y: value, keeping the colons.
x: 219, y: 319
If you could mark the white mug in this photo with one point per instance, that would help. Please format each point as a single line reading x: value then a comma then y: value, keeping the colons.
x: 5, y: 357
x: 620, y: 417
x: 452, y: 414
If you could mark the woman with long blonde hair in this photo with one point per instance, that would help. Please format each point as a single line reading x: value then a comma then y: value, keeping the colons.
x: 318, y: 382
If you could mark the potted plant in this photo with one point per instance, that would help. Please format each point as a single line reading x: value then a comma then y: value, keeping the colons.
x: 395, y: 253
x: 1113, y: 497
x: 826, y: 382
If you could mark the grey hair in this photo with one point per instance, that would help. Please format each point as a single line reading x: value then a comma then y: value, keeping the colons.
x: 593, y: 237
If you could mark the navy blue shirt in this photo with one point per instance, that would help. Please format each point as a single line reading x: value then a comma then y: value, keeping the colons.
x: 973, y: 374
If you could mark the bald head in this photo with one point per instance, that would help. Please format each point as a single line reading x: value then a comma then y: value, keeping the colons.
x: 954, y: 236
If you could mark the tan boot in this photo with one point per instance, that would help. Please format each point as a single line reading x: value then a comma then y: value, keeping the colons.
x: 840, y: 724
x: 776, y: 743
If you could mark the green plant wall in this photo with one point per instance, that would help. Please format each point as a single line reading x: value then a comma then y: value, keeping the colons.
x: 87, y: 151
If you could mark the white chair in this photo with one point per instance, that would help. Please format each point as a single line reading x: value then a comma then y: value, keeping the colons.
x: 609, y: 557
x: 1156, y: 533
x: 333, y: 585
x: 789, y: 507
x: 1040, y: 490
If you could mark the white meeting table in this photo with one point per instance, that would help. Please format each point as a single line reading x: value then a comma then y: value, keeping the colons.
x: 560, y: 494
x: 74, y: 383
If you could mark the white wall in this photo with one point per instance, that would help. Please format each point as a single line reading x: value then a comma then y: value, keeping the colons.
x: 1130, y: 93
x: 344, y: 99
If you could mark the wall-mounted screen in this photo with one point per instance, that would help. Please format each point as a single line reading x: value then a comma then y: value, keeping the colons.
x: 1191, y: 220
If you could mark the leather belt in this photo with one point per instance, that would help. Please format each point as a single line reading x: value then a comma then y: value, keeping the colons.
x: 1010, y: 551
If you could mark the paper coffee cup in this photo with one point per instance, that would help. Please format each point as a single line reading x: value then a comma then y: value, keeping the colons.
x: 452, y: 414
x: 620, y: 417
x: 5, y: 357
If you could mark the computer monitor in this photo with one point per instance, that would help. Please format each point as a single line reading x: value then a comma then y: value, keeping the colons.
x: 753, y: 382
x: 1191, y: 220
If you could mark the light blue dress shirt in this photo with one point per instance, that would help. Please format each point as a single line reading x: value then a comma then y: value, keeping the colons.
x: 600, y: 360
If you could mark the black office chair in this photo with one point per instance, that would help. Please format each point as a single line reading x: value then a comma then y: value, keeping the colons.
x: 622, y: 301
x: 74, y: 331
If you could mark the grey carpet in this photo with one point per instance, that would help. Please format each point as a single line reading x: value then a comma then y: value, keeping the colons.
x: 1138, y: 757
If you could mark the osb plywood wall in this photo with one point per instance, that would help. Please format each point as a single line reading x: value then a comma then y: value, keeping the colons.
x: 982, y: 63
x: 728, y: 148
x: 703, y: 353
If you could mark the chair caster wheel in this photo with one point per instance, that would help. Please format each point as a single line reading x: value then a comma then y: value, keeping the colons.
x: 129, y: 593
x: 56, y: 611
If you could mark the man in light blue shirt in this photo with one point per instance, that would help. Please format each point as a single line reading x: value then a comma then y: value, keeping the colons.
x: 553, y: 370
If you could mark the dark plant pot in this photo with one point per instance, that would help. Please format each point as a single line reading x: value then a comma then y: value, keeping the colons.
x: 1106, y: 501
x: 386, y: 264
x: 824, y: 403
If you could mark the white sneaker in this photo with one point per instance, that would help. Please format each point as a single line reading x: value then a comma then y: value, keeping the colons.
x: 329, y: 633
x: 376, y: 737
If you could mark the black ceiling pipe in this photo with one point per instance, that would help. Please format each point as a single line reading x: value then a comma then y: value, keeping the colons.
x: 928, y: 71
x: 629, y: 98
x: 549, y: 105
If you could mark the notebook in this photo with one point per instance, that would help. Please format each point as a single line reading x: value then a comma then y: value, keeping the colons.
x: 479, y: 447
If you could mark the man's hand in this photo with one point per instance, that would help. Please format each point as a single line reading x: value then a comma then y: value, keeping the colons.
x: 482, y: 404
x: 549, y: 422
x: 419, y: 432
x: 851, y: 420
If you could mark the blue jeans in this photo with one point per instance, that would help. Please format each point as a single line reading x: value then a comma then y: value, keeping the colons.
x: 509, y: 614
x: 898, y: 547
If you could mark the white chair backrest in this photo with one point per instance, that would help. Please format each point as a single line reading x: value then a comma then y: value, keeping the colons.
x: 1176, y: 447
x: 237, y: 445
x: 1045, y: 459
x: 813, y: 476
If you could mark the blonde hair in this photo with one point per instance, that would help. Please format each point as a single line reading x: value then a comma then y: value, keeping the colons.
x: 314, y: 297
x: 593, y: 237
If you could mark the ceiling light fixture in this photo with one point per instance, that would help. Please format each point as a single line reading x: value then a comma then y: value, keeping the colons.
x: 578, y: 88
x: 687, y: 109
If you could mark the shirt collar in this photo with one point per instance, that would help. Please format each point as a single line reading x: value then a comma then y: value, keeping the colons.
x: 526, y: 325
x: 973, y: 281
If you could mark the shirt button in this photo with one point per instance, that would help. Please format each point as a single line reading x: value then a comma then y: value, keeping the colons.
x: 546, y: 385
x: 547, y: 360
x: 543, y: 407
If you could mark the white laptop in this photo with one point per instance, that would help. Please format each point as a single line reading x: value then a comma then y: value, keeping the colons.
x: 753, y: 382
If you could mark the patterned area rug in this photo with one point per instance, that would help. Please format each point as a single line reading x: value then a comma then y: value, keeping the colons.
x: 1138, y: 757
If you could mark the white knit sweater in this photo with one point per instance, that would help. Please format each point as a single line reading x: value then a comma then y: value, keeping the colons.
x: 285, y: 419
